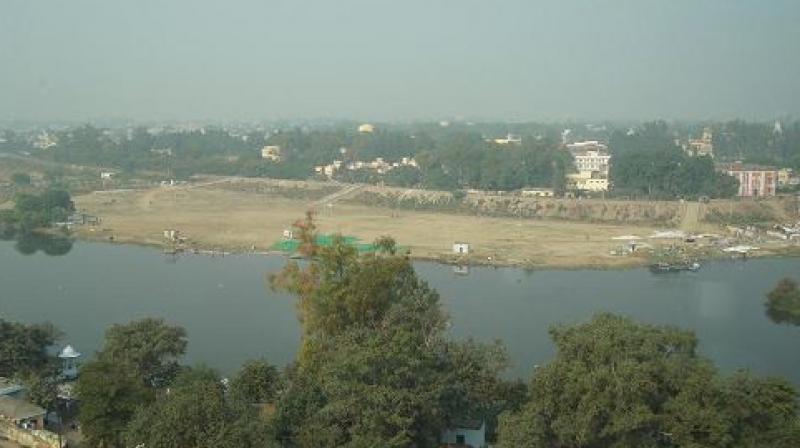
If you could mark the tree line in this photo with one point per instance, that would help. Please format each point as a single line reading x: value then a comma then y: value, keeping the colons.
x: 33, y: 211
x: 647, y: 158
x: 647, y: 162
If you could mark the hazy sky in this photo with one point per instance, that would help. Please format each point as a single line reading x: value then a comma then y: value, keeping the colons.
x: 399, y: 59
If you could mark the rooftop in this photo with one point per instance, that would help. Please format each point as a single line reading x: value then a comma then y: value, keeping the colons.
x: 8, y: 387
x: 69, y: 352
x: 739, y: 166
x: 14, y: 409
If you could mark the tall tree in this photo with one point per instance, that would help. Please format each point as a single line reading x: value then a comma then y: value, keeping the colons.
x: 24, y: 348
x: 110, y: 392
x: 137, y: 360
x: 197, y: 414
x: 615, y: 383
x: 256, y: 382
x: 375, y: 368
x: 150, y: 345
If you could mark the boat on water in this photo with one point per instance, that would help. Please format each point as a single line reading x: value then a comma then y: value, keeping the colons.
x: 664, y: 267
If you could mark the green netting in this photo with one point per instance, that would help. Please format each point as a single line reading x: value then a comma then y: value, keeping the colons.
x: 291, y: 246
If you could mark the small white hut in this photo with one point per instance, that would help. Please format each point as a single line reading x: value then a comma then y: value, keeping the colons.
x: 460, y: 247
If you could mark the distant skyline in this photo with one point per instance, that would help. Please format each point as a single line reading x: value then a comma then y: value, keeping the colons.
x: 386, y: 60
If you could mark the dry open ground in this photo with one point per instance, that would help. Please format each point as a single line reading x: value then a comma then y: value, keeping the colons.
x: 215, y: 216
x: 240, y: 215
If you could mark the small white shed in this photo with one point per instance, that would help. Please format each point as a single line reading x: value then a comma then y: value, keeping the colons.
x: 470, y: 433
x: 460, y: 248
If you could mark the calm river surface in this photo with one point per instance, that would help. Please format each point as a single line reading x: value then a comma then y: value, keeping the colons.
x: 231, y: 315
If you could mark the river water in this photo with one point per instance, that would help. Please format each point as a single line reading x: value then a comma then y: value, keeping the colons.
x: 231, y: 314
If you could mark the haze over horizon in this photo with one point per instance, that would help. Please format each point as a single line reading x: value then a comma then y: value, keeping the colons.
x: 387, y: 60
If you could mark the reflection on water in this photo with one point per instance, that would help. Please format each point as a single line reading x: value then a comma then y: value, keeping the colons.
x: 782, y: 316
x: 31, y: 243
x: 783, y: 303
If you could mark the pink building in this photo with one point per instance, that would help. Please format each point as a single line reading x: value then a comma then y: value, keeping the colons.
x: 754, y: 180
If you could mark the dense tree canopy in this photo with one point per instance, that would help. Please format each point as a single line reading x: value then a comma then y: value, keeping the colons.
x: 256, y: 382
x: 669, y: 173
x: 136, y: 361
x: 196, y: 413
x: 24, y: 349
x: 150, y: 345
x: 614, y: 383
x: 34, y: 211
x: 375, y: 368
x: 110, y: 392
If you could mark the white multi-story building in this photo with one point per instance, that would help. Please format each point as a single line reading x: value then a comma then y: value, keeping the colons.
x: 592, y: 161
x: 588, y: 181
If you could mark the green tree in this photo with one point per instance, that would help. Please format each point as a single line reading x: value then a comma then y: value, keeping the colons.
x: 42, y: 386
x: 256, y: 382
x: 110, y: 392
x: 24, y: 349
x: 375, y: 368
x: 137, y: 360
x: 615, y: 383
x: 196, y: 414
x: 150, y: 345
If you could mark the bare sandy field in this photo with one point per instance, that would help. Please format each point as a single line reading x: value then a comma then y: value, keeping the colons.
x: 222, y: 218
x: 242, y: 215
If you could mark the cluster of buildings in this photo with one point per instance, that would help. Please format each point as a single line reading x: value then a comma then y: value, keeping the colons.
x: 24, y: 422
x: 592, y: 163
x: 44, y: 141
x: 379, y: 165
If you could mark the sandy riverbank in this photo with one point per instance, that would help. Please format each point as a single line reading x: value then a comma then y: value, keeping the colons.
x: 215, y: 217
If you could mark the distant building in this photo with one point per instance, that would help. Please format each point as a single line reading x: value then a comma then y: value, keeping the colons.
x: 592, y: 161
x: 21, y: 413
x: 510, y: 139
x: 754, y: 180
x: 69, y: 362
x: 272, y: 153
x: 468, y: 433
x: 107, y: 175
x: 702, y: 146
x: 162, y: 151
x: 787, y: 177
x: 588, y: 181
x: 44, y: 141
x: 537, y: 192
x: 366, y: 128
x: 460, y: 248
x: 10, y: 388
x: 587, y: 145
